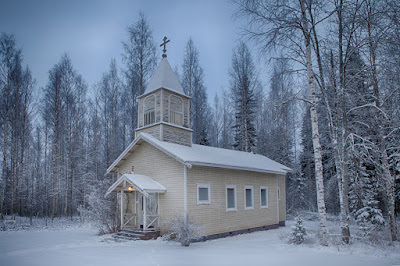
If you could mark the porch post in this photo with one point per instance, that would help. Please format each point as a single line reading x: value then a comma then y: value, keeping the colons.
x: 122, y: 208
x: 134, y: 209
x: 144, y: 212
x: 158, y: 210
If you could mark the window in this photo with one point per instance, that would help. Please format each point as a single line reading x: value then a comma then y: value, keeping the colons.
x: 149, y: 108
x: 249, y: 199
x: 279, y: 193
x: 175, y: 110
x: 230, y: 198
x: 263, y: 197
x: 203, y: 194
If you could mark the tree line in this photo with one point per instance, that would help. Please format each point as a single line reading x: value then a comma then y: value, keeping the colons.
x: 330, y: 111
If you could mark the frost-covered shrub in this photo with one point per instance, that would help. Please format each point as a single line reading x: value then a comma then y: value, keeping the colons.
x: 369, y: 219
x: 98, y: 209
x: 298, y: 232
x: 183, y: 231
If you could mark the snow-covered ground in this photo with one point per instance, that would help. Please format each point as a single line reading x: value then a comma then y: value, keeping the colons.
x: 82, y: 246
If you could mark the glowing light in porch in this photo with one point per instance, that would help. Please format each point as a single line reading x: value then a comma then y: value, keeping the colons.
x: 130, y: 188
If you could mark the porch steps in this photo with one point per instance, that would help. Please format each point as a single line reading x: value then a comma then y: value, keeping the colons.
x: 136, y: 234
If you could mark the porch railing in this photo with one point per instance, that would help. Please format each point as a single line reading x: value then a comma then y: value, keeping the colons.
x: 128, y: 217
x: 152, y: 219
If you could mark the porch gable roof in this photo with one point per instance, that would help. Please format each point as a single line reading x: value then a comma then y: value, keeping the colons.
x: 142, y: 183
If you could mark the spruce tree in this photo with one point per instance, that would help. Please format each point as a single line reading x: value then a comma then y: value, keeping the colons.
x: 244, y: 82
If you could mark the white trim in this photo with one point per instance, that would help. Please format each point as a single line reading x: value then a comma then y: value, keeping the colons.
x: 279, y: 192
x: 144, y: 212
x: 277, y: 198
x: 185, y: 199
x: 133, y: 143
x: 164, y: 123
x: 245, y: 197
x: 122, y: 208
x: 182, y: 111
x: 162, y: 106
x: 208, y: 201
x: 130, y: 179
x: 144, y: 105
x: 226, y: 197
x: 266, y: 195
x: 167, y: 89
x: 235, y: 167
x: 161, y: 131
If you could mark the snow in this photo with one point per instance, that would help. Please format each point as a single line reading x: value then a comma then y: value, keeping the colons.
x: 141, y: 182
x: 82, y: 246
x: 164, y: 77
x: 209, y: 156
x: 218, y: 157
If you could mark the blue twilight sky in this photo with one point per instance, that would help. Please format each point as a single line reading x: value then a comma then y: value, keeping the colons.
x: 91, y: 33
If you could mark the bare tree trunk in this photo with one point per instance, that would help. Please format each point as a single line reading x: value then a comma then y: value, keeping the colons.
x: 46, y: 213
x: 387, y: 176
x: 319, y: 179
x: 4, y: 174
x: 343, y: 180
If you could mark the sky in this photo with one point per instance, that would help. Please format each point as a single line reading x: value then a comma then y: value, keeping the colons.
x: 91, y: 32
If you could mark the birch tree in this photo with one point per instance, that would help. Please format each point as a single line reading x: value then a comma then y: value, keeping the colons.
x: 192, y: 80
x: 10, y: 55
x: 287, y: 26
x: 140, y: 60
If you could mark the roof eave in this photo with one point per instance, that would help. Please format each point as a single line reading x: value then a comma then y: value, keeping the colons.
x: 122, y: 155
x: 237, y: 167
x: 164, y: 88
x: 133, y: 143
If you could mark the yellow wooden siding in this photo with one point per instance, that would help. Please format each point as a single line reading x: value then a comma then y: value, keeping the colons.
x: 214, y: 216
x: 282, y: 201
x: 150, y: 161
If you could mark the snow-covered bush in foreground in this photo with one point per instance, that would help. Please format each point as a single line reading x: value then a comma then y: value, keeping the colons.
x: 100, y: 210
x: 298, y: 232
x: 183, y: 231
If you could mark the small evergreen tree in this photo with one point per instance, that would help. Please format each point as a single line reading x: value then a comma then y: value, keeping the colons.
x: 298, y: 232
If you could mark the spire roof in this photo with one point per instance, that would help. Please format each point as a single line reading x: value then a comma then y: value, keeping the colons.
x: 164, y: 77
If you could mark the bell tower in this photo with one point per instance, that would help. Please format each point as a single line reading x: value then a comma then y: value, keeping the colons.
x: 164, y: 108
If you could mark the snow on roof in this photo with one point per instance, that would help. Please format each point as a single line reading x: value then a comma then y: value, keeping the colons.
x: 209, y: 156
x: 142, y: 183
x: 164, y: 77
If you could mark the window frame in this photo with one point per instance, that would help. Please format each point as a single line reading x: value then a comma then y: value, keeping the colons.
x: 279, y: 193
x: 149, y: 112
x: 252, y: 198
x: 226, y: 197
x: 203, y: 202
x: 266, y: 197
x: 176, y: 112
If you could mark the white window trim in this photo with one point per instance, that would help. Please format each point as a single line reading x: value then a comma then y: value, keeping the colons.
x: 144, y: 107
x: 226, y: 197
x: 252, y: 198
x: 266, y: 192
x: 279, y: 193
x: 199, y: 202
x: 169, y: 108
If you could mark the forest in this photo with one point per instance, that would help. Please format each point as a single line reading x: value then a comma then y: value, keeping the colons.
x: 330, y: 112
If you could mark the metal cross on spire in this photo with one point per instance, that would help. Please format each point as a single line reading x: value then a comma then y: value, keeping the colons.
x: 165, y: 49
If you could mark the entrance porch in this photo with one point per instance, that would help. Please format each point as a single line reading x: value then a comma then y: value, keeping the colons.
x: 139, y: 201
